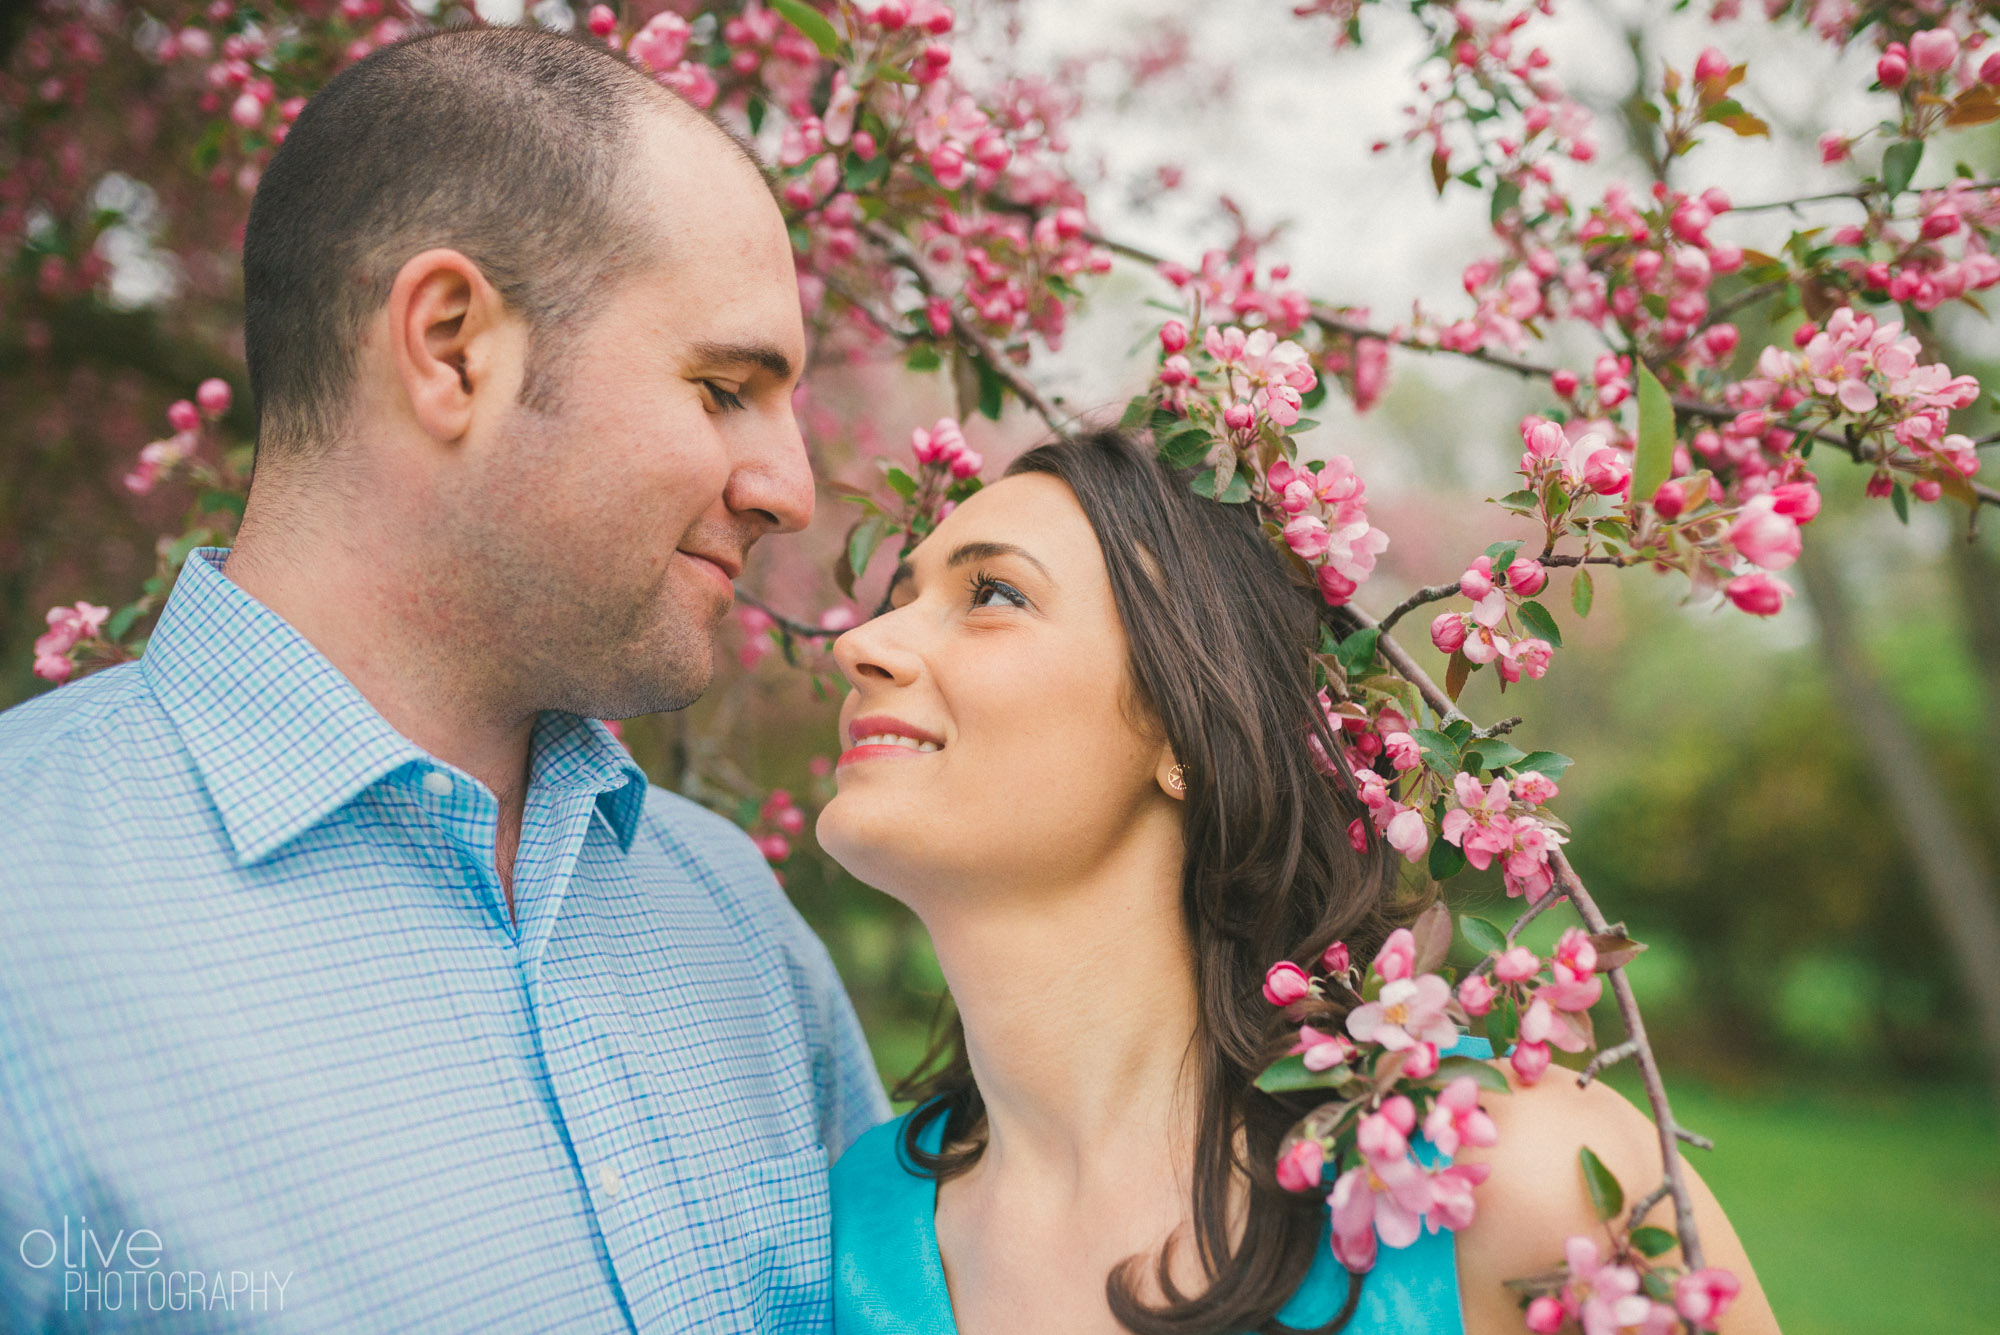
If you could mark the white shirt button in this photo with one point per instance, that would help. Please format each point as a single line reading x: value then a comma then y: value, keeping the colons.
x: 609, y: 1182
x: 437, y: 783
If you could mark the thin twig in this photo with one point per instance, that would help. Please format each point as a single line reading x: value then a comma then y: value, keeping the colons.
x: 1604, y: 1060
x: 1861, y: 191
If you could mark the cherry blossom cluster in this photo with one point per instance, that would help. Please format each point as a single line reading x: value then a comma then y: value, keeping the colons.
x: 1610, y: 1296
x: 70, y: 628
x: 778, y: 822
x: 1537, y: 1011
x: 1870, y: 376
x: 159, y: 459
x: 1388, y: 1070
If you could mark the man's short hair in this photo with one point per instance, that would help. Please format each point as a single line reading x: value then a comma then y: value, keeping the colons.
x: 505, y: 144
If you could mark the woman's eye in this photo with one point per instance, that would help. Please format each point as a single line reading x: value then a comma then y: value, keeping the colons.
x: 989, y: 592
x: 725, y: 399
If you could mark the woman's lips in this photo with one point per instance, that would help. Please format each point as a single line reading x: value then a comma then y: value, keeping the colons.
x: 877, y: 736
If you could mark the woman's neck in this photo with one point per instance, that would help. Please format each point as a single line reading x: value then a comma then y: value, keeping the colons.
x: 1080, y: 1011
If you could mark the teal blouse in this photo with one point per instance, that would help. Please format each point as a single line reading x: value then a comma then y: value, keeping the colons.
x: 888, y: 1278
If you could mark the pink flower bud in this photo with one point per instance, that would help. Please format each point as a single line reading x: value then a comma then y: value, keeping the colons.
x: 1989, y: 69
x: 1398, y: 956
x: 1476, y: 995
x: 1764, y: 536
x: 1798, y: 501
x: 1357, y: 834
x: 1477, y: 581
x: 1670, y: 500
x: 1835, y: 147
x: 1545, y: 440
x: 1239, y: 417
x: 1927, y: 489
x: 1299, y: 1167
x: 1173, y: 336
x: 1711, y: 64
x: 1421, y: 1063
x: 1933, y: 52
x: 1529, y: 1060
x: 1545, y: 1316
x: 774, y: 847
x: 1336, y: 958
x: 1703, y: 1296
x: 1891, y: 70
x: 1334, y: 587
x: 1607, y: 472
x: 1285, y: 982
x: 183, y: 416
x: 213, y: 396
x: 1526, y: 577
x: 967, y: 463
x: 1758, y: 594
x: 1448, y: 632
x: 1563, y: 382
x: 1516, y: 965
x: 601, y: 21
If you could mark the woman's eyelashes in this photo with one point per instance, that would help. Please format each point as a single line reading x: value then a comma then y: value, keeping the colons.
x: 985, y: 589
x: 726, y: 400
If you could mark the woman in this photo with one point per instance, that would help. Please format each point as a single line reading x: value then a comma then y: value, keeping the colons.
x: 1077, y: 749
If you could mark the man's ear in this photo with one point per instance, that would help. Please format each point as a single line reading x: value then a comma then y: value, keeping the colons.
x: 452, y: 341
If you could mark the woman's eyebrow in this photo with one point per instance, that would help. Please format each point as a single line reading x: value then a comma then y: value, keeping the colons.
x: 966, y: 554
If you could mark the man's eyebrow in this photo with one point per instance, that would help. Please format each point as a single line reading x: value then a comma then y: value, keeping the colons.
x: 966, y: 554
x: 764, y: 355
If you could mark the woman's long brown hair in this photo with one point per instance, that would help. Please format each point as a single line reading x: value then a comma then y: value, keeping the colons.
x: 1222, y: 632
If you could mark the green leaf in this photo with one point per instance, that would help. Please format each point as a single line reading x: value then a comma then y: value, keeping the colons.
x: 1519, y: 500
x: 1654, y: 459
x: 1315, y: 396
x: 1551, y: 763
x: 1484, y: 936
x: 1187, y: 447
x: 1537, y: 619
x: 755, y: 111
x: 1135, y: 412
x: 863, y: 173
x: 1357, y: 651
x: 992, y: 389
x: 1494, y: 753
x: 1290, y: 1073
x: 902, y: 483
x: 121, y: 621
x: 1606, y: 1196
x: 923, y: 357
x: 1235, y: 493
x: 1440, y: 752
x: 186, y: 543
x: 862, y: 541
x: 810, y: 22
x: 1503, y: 1023
x: 1582, y: 592
x: 211, y: 502
x: 1451, y: 1068
x: 1459, y: 730
x: 1899, y: 164
x: 1446, y: 861
x: 1651, y: 1241
x: 1505, y: 196
x: 1501, y: 554
x: 1899, y: 501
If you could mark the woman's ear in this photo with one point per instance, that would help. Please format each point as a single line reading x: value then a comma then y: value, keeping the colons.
x: 1171, y: 776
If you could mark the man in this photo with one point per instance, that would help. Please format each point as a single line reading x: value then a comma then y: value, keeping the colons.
x: 353, y: 978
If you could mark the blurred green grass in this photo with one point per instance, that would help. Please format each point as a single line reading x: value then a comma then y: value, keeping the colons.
x: 1864, y: 1214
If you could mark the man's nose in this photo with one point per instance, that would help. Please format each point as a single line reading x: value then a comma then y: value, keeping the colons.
x: 772, y: 482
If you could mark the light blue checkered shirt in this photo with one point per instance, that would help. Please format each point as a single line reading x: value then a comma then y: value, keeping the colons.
x: 272, y: 1056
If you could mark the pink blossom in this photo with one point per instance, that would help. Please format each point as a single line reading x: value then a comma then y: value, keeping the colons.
x: 1389, y: 1196
x: 1477, y: 581
x: 1516, y: 964
x: 1457, y: 1119
x: 213, y: 396
x: 1408, y: 1011
x: 1322, y: 1051
x: 1711, y: 65
x: 1525, y: 576
x: 1448, y: 632
x: 1336, y: 957
x: 1452, y: 1204
x: 1299, y: 1167
x: 601, y: 21
x: 1534, y: 788
x: 1758, y: 594
x: 183, y: 416
x: 1307, y: 536
x: 1420, y: 1062
x: 1403, y: 751
x: 774, y: 847
x: 1398, y: 955
x: 661, y: 43
x: 1764, y: 536
x: 1891, y: 70
x: 1607, y: 1298
x: 1476, y: 994
x: 1529, y: 1060
x: 1703, y: 1296
x: 1173, y: 336
x: 1933, y: 52
x: 1285, y: 982
x: 1545, y: 1316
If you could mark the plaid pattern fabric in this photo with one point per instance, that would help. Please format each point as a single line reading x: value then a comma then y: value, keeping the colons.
x: 272, y: 1056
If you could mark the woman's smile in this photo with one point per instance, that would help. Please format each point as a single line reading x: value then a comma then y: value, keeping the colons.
x: 878, y: 736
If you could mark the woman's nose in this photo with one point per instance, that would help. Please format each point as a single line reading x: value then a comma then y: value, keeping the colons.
x: 874, y: 652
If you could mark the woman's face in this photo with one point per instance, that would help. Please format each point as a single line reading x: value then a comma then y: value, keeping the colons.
x: 990, y: 740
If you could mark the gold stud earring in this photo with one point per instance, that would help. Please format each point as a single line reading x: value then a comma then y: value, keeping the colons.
x: 1177, y: 779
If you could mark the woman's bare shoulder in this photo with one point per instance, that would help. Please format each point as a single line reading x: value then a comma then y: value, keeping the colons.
x: 1535, y: 1198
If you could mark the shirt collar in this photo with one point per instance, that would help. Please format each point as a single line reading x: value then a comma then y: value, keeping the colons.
x: 282, y: 739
